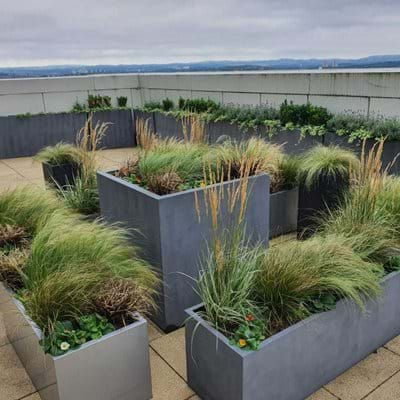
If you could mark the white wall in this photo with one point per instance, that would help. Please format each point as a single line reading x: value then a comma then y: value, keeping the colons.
x: 366, y: 91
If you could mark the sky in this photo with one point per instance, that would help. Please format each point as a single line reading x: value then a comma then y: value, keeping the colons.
x: 48, y: 32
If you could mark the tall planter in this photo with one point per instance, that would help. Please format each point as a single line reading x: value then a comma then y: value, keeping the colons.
x: 60, y: 176
x: 171, y: 236
x: 283, y: 212
x: 292, y: 142
x: 25, y: 136
x: 115, y: 366
x: 295, y: 362
x: 325, y: 194
x: 121, y: 132
x: 216, y: 130
x: 167, y: 126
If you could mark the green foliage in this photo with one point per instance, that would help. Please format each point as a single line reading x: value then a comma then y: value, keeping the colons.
x: 250, y: 334
x: 61, y: 153
x: 152, y: 106
x: 98, y: 101
x: 332, y: 161
x: 287, y: 175
x: 78, y: 107
x: 28, y: 207
x: 303, y: 114
x: 82, y: 196
x: 167, y: 104
x: 295, y: 273
x: 68, y: 335
x: 122, y: 101
x: 198, y: 105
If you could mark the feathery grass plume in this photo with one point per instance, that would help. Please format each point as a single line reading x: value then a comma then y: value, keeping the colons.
x: 361, y: 216
x: 28, y: 207
x: 12, y: 265
x: 61, y: 153
x: 88, y: 141
x: 295, y: 273
x: 193, y: 128
x: 389, y: 199
x: 79, y: 246
x: 330, y: 161
x: 146, y: 139
x: 62, y: 295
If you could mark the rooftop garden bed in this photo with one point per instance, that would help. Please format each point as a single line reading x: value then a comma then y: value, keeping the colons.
x: 74, y: 283
x: 283, y: 321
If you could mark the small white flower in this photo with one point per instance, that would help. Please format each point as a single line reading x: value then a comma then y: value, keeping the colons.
x: 64, y: 346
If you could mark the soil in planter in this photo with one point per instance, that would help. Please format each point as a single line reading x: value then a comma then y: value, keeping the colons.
x: 324, y: 195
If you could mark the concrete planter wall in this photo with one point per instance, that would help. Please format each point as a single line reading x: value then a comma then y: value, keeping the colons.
x: 296, y: 362
x: 292, y: 143
x: 121, y: 132
x: 25, y: 136
x: 171, y: 238
x: 168, y: 127
x: 60, y: 175
x: 325, y: 194
x: 233, y: 131
x: 283, y: 212
x: 114, y: 367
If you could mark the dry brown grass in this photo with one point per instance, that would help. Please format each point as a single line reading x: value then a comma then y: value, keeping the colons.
x: 166, y: 183
x: 146, y: 139
x: 12, y: 265
x: 193, y: 128
x: 13, y: 235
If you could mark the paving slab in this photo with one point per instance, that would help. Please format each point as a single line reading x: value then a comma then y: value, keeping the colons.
x: 171, y: 348
x: 167, y: 384
x: 154, y: 332
x: 34, y: 396
x: 390, y: 390
x: 3, y: 336
x: 322, y: 394
x: 363, y: 378
x: 14, y: 381
x: 394, y: 345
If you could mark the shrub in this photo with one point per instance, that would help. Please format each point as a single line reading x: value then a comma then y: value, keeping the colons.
x: 328, y: 161
x: 295, y: 274
x: 152, y: 106
x: 198, y: 105
x: 304, y: 114
x: 98, y: 101
x: 122, y: 101
x: 61, y: 153
x: 167, y: 104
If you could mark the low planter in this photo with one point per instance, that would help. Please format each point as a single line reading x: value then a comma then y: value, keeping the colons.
x: 325, y: 194
x: 170, y: 236
x: 26, y: 136
x: 121, y: 131
x: 283, y: 212
x: 115, y: 366
x: 292, y: 142
x: 297, y: 361
x: 60, y: 175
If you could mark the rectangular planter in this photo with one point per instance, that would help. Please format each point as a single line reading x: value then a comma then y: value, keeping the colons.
x: 25, y: 136
x: 170, y: 236
x: 292, y: 143
x: 121, y: 132
x: 296, y: 362
x: 115, y: 366
x: 283, y: 212
x: 167, y: 126
x: 60, y: 175
x: 217, y: 130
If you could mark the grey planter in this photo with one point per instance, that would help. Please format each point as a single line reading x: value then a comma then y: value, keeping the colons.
x: 171, y: 238
x: 25, y: 136
x: 116, y: 366
x: 146, y: 116
x: 167, y: 126
x: 218, y: 129
x: 121, y: 132
x: 292, y: 143
x: 296, y: 362
x: 283, y: 212
x: 60, y: 175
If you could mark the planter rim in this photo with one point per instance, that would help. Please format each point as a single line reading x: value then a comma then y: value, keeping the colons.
x: 58, y: 165
x: 139, y: 321
x: 109, y: 174
x: 296, y: 187
x: 193, y: 314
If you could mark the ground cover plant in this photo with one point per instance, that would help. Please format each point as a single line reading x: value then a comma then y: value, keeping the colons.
x: 310, y: 119
x: 250, y: 293
x: 77, y: 280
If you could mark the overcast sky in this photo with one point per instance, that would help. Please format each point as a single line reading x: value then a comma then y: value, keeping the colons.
x: 156, y: 31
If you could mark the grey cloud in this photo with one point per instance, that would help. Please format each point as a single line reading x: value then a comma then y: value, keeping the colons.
x: 132, y: 31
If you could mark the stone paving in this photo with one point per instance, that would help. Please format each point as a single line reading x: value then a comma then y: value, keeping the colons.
x: 375, y: 378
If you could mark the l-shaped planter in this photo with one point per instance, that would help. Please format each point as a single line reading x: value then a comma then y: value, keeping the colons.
x: 295, y: 362
x: 171, y: 236
x: 115, y: 366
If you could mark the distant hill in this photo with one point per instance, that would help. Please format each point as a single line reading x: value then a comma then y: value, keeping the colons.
x: 386, y: 61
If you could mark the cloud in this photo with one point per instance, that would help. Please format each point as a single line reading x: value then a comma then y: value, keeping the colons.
x: 131, y: 31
